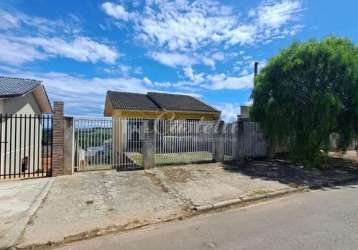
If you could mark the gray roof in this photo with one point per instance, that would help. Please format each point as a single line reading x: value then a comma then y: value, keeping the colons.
x: 175, y: 102
x: 157, y: 102
x: 11, y: 87
x: 126, y: 100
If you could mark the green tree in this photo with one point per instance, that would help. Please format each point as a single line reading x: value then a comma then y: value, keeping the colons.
x: 307, y: 92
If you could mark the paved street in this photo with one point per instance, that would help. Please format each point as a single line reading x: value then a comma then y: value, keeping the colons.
x: 321, y: 219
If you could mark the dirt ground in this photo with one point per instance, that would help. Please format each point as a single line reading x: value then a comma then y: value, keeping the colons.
x: 349, y: 155
x: 206, y: 184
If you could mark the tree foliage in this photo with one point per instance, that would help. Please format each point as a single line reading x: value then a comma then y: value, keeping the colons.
x: 307, y: 92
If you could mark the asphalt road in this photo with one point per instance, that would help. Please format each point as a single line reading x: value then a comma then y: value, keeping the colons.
x: 321, y: 219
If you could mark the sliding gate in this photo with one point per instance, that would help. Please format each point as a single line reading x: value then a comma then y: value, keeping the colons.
x: 108, y: 143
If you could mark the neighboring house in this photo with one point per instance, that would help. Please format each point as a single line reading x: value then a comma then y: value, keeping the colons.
x: 128, y: 135
x: 20, y: 137
x: 158, y: 105
x: 23, y: 96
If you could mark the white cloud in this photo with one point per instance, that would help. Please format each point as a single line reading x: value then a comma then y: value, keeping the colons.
x: 181, y: 33
x: 8, y: 21
x: 190, y: 25
x: 229, y: 111
x: 173, y: 59
x: 147, y: 81
x: 182, y: 25
x: 9, y: 52
x: 275, y: 14
x: 82, y: 49
x: 54, y: 38
x: 222, y: 81
x: 15, y: 20
x: 195, y: 78
x: 243, y: 35
x: 163, y: 84
x: 83, y: 96
x: 116, y: 10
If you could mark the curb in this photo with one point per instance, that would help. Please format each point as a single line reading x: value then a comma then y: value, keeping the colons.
x: 243, y: 202
x: 93, y: 234
x: 334, y: 183
x: 20, y: 226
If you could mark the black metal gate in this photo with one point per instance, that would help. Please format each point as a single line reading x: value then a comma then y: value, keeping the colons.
x: 26, y: 146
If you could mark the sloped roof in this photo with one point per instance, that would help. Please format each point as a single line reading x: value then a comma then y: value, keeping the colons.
x: 175, y: 102
x: 157, y: 102
x: 126, y: 100
x: 11, y: 87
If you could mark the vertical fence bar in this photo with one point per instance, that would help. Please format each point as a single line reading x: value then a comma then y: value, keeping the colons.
x: 34, y: 147
x: 5, y: 156
x: 20, y: 145
x: 44, y: 163
x: 51, y: 141
x: 24, y: 161
x: 10, y: 145
x: 29, y: 148
x: 48, y: 133
x: 15, y: 145
x: 1, y: 142
x: 38, y: 145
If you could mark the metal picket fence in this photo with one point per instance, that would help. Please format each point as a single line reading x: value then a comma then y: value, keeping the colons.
x: 26, y: 146
x: 230, y: 141
x: 252, y: 142
x: 106, y: 143
x: 183, y: 141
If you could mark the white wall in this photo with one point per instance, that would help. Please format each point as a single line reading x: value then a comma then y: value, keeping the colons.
x: 24, y: 105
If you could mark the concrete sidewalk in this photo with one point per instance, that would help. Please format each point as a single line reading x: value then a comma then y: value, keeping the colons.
x: 93, y: 203
x: 90, y: 204
x: 18, y: 202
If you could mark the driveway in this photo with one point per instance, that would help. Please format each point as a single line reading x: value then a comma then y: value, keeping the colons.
x: 90, y: 203
x: 18, y: 201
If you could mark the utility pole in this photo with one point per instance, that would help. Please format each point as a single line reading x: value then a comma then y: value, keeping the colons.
x: 256, y: 66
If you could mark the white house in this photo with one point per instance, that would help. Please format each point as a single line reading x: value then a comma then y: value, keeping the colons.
x: 21, y: 137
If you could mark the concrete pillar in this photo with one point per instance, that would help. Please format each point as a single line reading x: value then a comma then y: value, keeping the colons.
x: 149, y: 145
x: 219, y: 142
x: 68, y: 146
x: 58, y: 139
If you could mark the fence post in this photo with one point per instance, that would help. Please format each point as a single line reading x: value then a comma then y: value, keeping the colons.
x: 240, y: 155
x: 219, y: 142
x: 235, y: 148
x: 68, y: 146
x: 58, y: 139
x: 149, y: 145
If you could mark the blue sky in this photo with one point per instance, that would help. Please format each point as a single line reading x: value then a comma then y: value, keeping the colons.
x: 205, y: 48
